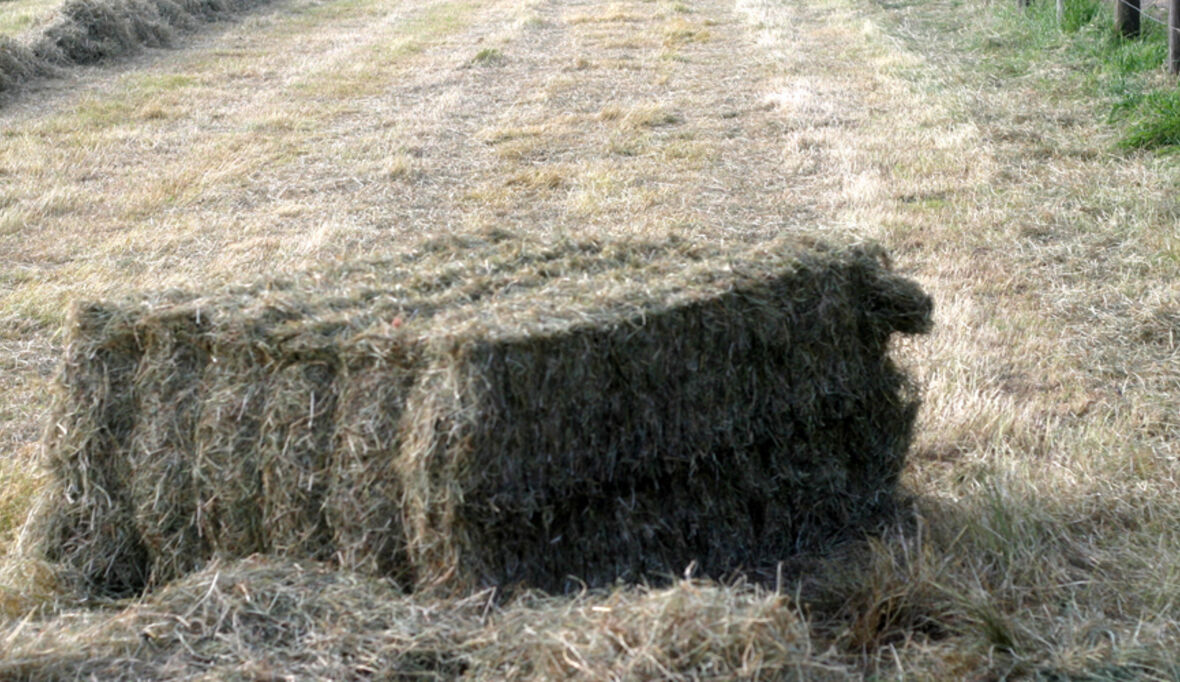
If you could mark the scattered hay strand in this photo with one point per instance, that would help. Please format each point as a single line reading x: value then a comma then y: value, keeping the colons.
x: 488, y: 413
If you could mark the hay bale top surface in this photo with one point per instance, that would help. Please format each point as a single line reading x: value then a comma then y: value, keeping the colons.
x: 497, y: 287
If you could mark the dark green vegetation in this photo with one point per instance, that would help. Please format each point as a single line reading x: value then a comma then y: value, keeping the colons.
x: 1130, y: 72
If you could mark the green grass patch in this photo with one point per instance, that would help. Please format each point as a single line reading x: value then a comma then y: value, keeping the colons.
x: 1082, y: 54
x: 1128, y: 71
x: 1152, y: 120
x: 489, y: 56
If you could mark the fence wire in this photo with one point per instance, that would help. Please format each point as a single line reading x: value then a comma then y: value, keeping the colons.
x: 1147, y: 15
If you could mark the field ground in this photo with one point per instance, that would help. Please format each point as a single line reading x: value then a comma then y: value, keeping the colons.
x: 18, y: 16
x: 1045, y: 540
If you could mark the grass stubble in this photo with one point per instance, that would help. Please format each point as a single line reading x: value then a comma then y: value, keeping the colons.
x: 1041, y: 540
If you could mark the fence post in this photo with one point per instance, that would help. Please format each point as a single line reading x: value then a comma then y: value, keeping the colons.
x: 1174, y: 36
x: 1126, y: 17
x: 1060, y: 13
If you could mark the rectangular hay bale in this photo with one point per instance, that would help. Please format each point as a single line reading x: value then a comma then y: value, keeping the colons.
x: 488, y: 413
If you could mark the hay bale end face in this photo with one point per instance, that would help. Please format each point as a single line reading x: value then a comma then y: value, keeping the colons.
x: 488, y: 413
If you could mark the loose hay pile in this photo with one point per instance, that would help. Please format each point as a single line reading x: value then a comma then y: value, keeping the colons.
x: 486, y: 414
x: 254, y: 619
x: 268, y: 619
x: 17, y: 64
x: 88, y: 31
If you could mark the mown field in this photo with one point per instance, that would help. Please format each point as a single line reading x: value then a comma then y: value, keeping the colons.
x: 22, y: 15
x: 1040, y: 534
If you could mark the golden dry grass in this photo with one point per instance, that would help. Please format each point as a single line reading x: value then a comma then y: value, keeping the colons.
x: 1043, y: 539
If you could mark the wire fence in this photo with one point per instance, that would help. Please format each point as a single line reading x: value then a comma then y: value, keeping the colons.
x: 1127, y: 20
x: 1135, y: 7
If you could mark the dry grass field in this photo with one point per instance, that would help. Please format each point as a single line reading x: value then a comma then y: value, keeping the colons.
x: 19, y: 16
x: 1041, y: 540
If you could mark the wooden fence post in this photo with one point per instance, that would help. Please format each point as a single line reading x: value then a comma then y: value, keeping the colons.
x: 1060, y: 13
x: 1174, y: 36
x: 1126, y: 17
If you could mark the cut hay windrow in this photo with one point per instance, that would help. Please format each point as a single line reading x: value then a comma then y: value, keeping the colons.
x: 18, y: 64
x: 487, y: 413
x: 89, y: 31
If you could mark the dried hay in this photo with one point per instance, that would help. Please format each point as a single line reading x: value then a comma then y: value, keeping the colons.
x: 692, y: 630
x: 88, y: 31
x: 255, y: 619
x: 17, y: 64
x: 266, y: 619
x: 487, y: 413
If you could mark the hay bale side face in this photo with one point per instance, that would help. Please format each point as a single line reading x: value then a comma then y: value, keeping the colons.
x: 728, y: 431
x: 294, y: 453
x: 167, y: 390
x: 89, y: 527
x: 196, y: 433
x: 364, y: 502
x: 226, y: 471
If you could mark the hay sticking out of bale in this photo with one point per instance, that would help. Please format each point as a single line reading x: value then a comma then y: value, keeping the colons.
x: 89, y: 31
x: 488, y: 413
x: 262, y: 618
